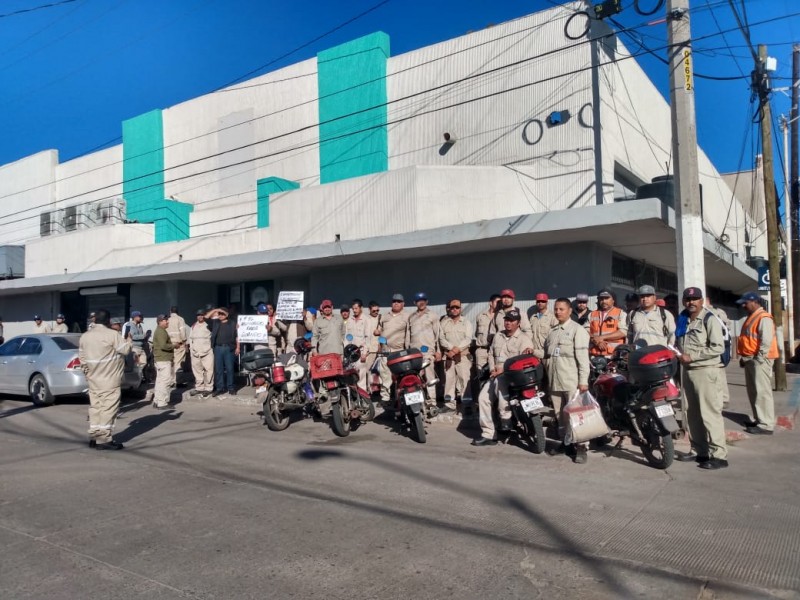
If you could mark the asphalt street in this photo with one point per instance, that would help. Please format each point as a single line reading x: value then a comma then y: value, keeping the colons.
x: 205, y: 502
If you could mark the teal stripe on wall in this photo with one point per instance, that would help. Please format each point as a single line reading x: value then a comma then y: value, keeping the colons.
x: 265, y: 187
x: 143, y: 179
x: 352, y: 79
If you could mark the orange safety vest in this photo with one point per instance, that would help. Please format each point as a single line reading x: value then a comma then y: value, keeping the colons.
x: 749, y: 341
x: 601, y: 325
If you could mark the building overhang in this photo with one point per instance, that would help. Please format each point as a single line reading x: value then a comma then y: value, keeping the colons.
x: 641, y: 229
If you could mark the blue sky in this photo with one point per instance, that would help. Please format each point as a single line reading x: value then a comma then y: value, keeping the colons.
x: 69, y: 74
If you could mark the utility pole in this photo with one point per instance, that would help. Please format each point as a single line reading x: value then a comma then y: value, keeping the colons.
x: 791, y: 225
x: 794, y: 183
x: 761, y: 82
x: 688, y: 219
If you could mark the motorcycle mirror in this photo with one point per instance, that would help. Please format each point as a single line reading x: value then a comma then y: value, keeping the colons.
x: 381, y: 340
x: 307, y: 336
x: 349, y: 337
x: 424, y: 348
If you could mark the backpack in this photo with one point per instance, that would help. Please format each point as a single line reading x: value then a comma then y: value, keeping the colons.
x: 725, y: 357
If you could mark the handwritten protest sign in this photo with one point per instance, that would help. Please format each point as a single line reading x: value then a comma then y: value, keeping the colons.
x: 290, y: 306
x: 253, y: 329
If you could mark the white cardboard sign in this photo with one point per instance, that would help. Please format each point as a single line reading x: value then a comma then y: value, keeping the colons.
x: 290, y: 306
x: 252, y: 329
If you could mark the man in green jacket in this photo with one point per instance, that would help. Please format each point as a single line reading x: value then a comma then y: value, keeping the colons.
x: 163, y: 354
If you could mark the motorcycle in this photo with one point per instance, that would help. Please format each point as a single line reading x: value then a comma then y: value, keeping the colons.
x: 282, y: 384
x: 411, y: 392
x: 636, y: 394
x: 336, y: 380
x: 524, y: 375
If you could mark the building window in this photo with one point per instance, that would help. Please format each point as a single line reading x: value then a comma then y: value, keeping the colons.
x: 623, y: 270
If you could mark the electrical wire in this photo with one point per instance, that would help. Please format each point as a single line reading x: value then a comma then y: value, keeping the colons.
x: 34, y: 8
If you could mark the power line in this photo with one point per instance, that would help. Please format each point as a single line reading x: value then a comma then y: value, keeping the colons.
x: 43, y: 6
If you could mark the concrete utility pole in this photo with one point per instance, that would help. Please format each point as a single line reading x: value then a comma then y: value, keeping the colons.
x: 688, y: 219
x: 794, y: 183
x: 761, y: 81
x: 791, y: 225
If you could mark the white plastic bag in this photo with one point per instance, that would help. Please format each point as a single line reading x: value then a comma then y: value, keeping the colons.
x: 585, y: 419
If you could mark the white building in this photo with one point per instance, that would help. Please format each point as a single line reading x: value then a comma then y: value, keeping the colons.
x: 334, y: 176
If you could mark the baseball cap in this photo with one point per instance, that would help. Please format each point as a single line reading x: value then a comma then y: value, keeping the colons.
x: 692, y: 292
x: 312, y: 310
x: 398, y: 298
x: 200, y: 311
x: 646, y: 290
x: 136, y: 313
x: 60, y: 316
x: 542, y: 297
x: 261, y: 308
x: 509, y: 293
x: 160, y: 318
x: 344, y: 308
x: 420, y: 296
x: 605, y: 293
x: 512, y: 315
x: 326, y: 304
x: 748, y: 297
x: 582, y: 297
x: 37, y: 318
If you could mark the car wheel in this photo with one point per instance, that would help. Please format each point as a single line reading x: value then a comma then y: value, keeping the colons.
x: 39, y: 391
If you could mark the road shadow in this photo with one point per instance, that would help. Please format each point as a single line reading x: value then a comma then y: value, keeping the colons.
x: 19, y: 410
x: 142, y: 425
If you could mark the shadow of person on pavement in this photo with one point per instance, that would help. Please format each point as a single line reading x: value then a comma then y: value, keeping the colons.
x: 741, y: 419
x: 144, y: 424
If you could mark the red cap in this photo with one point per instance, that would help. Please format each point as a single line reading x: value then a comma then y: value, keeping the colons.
x: 542, y: 296
x: 508, y: 293
x: 326, y: 303
x: 660, y: 302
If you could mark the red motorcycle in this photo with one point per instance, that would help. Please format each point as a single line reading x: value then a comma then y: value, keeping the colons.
x: 636, y: 394
x: 411, y: 393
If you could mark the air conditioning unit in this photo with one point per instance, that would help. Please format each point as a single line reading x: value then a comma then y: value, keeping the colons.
x: 51, y: 222
x: 107, y: 212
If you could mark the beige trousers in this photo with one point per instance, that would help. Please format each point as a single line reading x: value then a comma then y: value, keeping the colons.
x: 704, y: 411
x: 177, y: 360
x: 559, y: 400
x: 103, y: 408
x: 758, y: 378
x: 456, y: 376
x: 495, y: 391
x: 164, y: 378
x: 203, y: 370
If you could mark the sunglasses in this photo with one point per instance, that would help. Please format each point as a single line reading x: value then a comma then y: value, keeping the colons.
x: 453, y: 308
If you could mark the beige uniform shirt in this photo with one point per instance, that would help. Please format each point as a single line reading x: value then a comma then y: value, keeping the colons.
x: 524, y: 324
x: 485, y: 329
x: 102, y: 353
x: 505, y: 346
x: 41, y: 328
x: 541, y: 324
x: 372, y: 325
x: 566, y: 352
x: 176, y: 328
x: 424, y: 329
x: 200, y: 340
x: 328, y: 335
x: 359, y: 329
x: 293, y: 331
x: 395, y: 330
x: 649, y: 327
x: 60, y: 328
x: 702, y: 342
x: 455, y: 333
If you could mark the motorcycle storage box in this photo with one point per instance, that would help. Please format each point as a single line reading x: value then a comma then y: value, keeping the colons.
x: 651, y: 364
x: 324, y: 366
x: 258, y: 359
x: 523, y: 371
x: 404, y: 361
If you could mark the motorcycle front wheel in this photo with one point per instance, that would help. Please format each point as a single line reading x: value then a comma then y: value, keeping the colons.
x: 658, y: 449
x: 530, y: 428
x: 274, y: 417
x: 341, y: 415
x: 418, y: 425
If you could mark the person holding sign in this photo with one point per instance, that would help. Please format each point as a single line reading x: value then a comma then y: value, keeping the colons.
x: 275, y: 328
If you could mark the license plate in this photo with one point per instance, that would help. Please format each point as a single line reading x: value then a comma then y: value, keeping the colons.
x: 664, y: 410
x: 262, y: 389
x: 531, y: 404
x: 414, y: 398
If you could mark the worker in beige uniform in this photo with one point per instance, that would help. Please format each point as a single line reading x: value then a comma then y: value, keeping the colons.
x: 726, y: 324
x: 542, y: 321
x: 274, y: 327
x: 650, y: 324
x: 393, y: 327
x: 485, y: 330
x: 40, y: 326
x: 455, y: 338
x: 509, y: 342
x: 357, y: 328
x: 701, y: 347
x: 202, y: 356
x: 423, y: 327
x: 373, y: 320
x: 176, y: 329
x: 758, y: 348
x: 328, y: 331
x: 566, y: 362
x: 102, y: 353
x: 164, y: 357
x: 59, y: 326
x: 507, y: 298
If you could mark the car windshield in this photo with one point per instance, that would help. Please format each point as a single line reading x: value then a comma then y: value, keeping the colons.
x: 66, y: 343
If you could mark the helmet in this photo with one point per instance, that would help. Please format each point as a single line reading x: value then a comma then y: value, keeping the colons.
x: 352, y: 353
x: 302, y: 345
